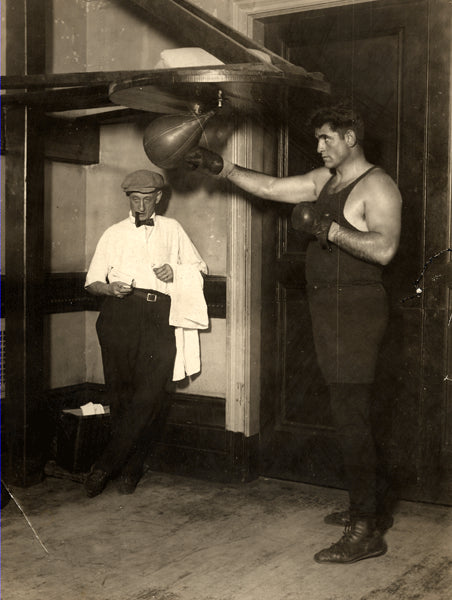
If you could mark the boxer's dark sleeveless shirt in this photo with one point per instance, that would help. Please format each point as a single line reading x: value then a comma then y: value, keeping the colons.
x: 338, y: 266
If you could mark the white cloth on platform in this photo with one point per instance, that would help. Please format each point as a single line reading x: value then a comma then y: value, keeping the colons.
x: 186, y: 57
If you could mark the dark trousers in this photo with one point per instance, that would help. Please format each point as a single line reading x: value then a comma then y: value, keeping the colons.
x: 362, y: 444
x: 138, y: 351
x: 349, y: 322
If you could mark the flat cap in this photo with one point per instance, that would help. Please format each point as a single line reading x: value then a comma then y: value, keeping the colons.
x: 143, y: 181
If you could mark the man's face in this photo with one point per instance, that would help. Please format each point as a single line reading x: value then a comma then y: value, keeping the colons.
x: 144, y: 204
x: 332, y: 146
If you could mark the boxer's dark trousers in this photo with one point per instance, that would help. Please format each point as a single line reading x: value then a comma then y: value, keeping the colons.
x: 363, y: 450
x: 138, y: 351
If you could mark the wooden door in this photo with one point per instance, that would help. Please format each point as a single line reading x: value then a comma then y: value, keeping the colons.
x: 378, y: 54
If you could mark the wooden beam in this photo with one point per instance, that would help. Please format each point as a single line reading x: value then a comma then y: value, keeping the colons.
x: 66, y: 91
x: 188, y: 23
x: 24, y: 226
x: 58, y: 99
x: 62, y: 80
x: 59, y: 81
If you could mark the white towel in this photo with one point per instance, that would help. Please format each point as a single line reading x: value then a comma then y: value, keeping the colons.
x: 188, y: 314
x: 188, y: 356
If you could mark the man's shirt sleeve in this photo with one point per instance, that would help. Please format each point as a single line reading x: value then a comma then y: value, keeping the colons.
x: 98, y: 269
x: 188, y: 254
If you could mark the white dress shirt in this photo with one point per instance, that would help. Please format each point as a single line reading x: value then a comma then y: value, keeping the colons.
x: 123, y: 251
x: 129, y: 253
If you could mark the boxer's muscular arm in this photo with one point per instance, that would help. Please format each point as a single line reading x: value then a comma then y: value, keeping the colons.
x: 291, y: 190
x: 382, y: 213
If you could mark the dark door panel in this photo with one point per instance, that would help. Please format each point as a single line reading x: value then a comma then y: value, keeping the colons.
x: 377, y: 54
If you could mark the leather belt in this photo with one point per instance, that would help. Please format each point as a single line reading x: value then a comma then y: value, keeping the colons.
x: 149, y: 295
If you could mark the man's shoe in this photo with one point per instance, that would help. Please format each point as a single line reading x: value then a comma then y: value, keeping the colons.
x: 127, y: 484
x: 361, y: 540
x: 95, y: 482
x: 342, y: 518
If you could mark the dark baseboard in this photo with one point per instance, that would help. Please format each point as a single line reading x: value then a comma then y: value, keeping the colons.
x: 190, y: 439
x: 235, y: 460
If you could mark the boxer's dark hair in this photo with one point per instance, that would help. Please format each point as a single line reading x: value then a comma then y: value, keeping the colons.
x: 340, y: 117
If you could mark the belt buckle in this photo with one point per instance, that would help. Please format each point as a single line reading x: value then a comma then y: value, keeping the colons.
x: 150, y: 297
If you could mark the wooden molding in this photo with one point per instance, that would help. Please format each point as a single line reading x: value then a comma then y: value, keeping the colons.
x: 65, y: 292
x: 246, y: 11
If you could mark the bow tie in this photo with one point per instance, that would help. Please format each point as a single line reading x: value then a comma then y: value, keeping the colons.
x: 139, y: 222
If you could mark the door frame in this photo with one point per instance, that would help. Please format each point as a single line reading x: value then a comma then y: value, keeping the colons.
x: 243, y: 294
x: 436, y: 304
x: 245, y: 13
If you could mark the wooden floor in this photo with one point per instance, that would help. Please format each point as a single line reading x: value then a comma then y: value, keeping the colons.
x: 184, y: 539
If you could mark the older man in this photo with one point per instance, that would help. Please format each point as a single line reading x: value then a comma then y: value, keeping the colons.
x: 353, y: 211
x: 134, y: 267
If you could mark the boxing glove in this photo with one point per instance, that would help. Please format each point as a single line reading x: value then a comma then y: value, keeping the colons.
x: 204, y: 159
x: 308, y: 218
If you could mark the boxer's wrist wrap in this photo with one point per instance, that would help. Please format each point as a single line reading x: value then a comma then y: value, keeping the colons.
x: 228, y: 167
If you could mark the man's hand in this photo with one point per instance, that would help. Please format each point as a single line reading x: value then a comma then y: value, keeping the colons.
x: 119, y: 289
x: 204, y: 159
x: 164, y: 273
x: 306, y: 217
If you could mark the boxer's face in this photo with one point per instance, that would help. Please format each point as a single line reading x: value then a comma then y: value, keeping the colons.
x: 144, y: 204
x: 332, y: 145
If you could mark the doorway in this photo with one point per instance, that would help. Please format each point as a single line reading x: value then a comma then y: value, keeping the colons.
x: 379, y: 55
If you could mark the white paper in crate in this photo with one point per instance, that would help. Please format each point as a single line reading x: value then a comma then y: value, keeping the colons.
x: 92, y: 409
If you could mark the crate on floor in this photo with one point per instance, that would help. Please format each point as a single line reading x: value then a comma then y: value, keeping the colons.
x: 81, y: 438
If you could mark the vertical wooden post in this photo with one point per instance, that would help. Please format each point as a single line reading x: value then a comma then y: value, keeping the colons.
x: 24, y: 225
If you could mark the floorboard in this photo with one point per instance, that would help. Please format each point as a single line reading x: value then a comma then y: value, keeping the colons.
x: 178, y: 538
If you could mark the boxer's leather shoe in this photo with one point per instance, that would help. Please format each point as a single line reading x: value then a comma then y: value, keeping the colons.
x: 95, y: 482
x: 361, y: 539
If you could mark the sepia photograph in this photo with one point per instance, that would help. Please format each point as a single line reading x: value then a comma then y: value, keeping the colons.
x: 226, y: 299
